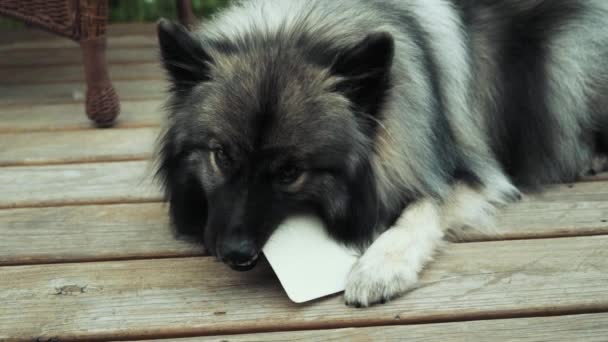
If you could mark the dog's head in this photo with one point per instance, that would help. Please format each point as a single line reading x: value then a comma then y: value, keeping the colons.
x: 267, y: 125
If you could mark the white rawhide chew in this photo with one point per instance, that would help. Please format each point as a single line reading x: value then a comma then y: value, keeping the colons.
x: 308, y: 263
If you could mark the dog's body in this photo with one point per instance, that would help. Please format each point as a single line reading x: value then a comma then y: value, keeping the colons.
x: 413, y: 115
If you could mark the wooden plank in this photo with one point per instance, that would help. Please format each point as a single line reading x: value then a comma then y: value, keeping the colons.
x: 592, y: 191
x: 75, y: 73
x: 86, y: 233
x: 71, y: 116
x: 198, y: 296
x: 538, y: 219
x: 588, y: 328
x: 73, y: 56
x: 25, y: 37
x: 559, y: 211
x: 70, y: 92
x: 20, y: 228
x: 56, y: 42
x: 38, y: 148
x: 96, y: 183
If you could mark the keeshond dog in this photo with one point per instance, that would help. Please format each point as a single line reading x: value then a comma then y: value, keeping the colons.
x: 396, y: 121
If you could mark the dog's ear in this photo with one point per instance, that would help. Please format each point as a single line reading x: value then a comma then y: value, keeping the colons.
x: 365, y: 70
x: 182, y: 55
x: 186, y: 196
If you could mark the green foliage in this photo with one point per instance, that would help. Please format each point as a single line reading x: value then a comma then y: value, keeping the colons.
x: 9, y: 23
x: 151, y: 10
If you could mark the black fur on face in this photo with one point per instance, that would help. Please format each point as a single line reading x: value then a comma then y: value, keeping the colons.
x: 258, y: 130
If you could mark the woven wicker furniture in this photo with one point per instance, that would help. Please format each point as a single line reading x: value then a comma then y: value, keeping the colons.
x: 85, y: 22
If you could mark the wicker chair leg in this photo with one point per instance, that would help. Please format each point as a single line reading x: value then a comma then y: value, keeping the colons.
x: 185, y: 13
x: 102, y: 103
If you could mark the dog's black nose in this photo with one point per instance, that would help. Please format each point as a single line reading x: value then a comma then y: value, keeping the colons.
x: 240, y: 254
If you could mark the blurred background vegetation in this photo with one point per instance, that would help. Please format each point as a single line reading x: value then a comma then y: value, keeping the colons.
x: 150, y: 10
x: 122, y: 11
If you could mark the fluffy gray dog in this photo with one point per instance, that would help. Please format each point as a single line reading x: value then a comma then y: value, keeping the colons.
x: 394, y: 121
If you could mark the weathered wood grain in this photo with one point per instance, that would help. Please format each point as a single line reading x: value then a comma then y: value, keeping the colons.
x: 55, y: 42
x: 71, y: 116
x: 37, y: 186
x: 559, y: 211
x: 588, y: 328
x: 23, y: 38
x: 37, y: 148
x: 592, y: 191
x: 74, y: 73
x: 69, y: 92
x: 148, y: 40
x: 532, y: 218
x: 73, y: 56
x: 550, y: 219
x: 24, y: 233
x: 173, y: 297
x: 87, y: 233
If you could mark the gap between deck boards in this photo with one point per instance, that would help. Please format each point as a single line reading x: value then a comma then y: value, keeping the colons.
x: 516, y: 314
x: 194, y: 254
x: 591, y: 327
x: 462, y: 284
x: 146, y: 226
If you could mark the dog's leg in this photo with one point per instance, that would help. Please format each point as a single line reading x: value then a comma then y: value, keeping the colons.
x: 391, y: 265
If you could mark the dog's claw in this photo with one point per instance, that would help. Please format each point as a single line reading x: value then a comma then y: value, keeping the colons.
x: 357, y: 305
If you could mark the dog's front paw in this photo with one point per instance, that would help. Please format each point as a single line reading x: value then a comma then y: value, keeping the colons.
x: 377, y: 279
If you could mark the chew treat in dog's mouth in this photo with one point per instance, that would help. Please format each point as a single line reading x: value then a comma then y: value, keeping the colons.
x: 307, y: 261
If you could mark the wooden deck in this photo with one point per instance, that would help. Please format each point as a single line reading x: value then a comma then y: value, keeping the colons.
x: 86, y: 253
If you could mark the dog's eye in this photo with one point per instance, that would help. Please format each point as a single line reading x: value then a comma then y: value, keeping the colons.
x: 222, y: 158
x: 288, y: 174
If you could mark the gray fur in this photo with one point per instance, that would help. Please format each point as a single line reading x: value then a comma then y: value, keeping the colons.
x: 450, y: 116
x: 577, y: 71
